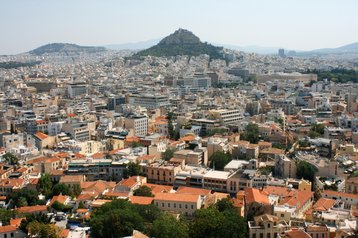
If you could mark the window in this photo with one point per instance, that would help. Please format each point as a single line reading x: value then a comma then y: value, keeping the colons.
x: 179, y: 205
x: 168, y: 204
x: 192, y: 206
x: 186, y: 206
x: 12, y: 234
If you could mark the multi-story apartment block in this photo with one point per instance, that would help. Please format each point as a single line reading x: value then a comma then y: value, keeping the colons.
x: 139, y: 123
x: 149, y: 101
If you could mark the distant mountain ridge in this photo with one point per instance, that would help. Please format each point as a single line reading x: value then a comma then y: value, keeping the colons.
x: 182, y: 42
x: 66, y: 48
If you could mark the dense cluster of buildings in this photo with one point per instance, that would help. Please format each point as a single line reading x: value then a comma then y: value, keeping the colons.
x: 85, y: 122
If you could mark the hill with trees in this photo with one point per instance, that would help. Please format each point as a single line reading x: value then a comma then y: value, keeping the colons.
x: 65, y: 48
x: 182, y: 42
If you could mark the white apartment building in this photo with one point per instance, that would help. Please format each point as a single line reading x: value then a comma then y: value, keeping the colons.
x: 138, y: 123
x: 149, y: 101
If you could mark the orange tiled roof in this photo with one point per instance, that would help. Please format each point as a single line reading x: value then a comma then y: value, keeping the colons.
x: 196, y: 191
x: 131, y: 181
x: 98, y: 186
x: 156, y: 188
x: 87, y: 196
x: 188, y: 138
x: 41, y: 135
x: 254, y: 195
x: 299, y: 199
x: 37, y: 160
x: 62, y: 155
x: 141, y: 200
x: 296, y: 233
x: 146, y: 157
x: 65, y: 233
x: 98, y: 155
x: 177, y: 197
x: 60, y: 198
x: 16, y: 221
x: 132, y: 139
x: 31, y: 209
x: 52, y: 160
x: 10, y: 183
x: 6, y: 229
x: 324, y: 204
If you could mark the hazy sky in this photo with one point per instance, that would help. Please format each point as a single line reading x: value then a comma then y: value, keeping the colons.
x: 292, y: 24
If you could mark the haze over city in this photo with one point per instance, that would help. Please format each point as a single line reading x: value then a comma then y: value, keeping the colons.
x: 297, y: 25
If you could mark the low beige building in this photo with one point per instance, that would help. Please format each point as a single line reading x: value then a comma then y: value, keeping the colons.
x: 178, y: 203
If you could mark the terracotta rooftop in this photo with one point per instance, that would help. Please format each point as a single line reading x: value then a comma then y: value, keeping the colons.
x: 132, y: 139
x: 324, y: 204
x: 195, y: 191
x: 131, y: 181
x: 60, y: 198
x: 16, y: 221
x: 188, y: 138
x: 41, y: 136
x: 10, y: 183
x: 6, y: 229
x: 99, y: 186
x: 141, y: 200
x: 31, y: 209
x: 157, y: 188
x: 254, y: 195
x: 177, y: 197
x: 297, y: 233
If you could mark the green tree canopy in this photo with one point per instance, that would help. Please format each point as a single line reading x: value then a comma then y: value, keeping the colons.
x: 24, y: 197
x: 10, y: 158
x: 40, y: 230
x: 60, y: 207
x: 41, y: 218
x: 116, y: 219
x: 167, y: 226
x: 171, y: 129
x: 45, y: 184
x: 305, y: 170
x: 211, y: 222
x: 6, y: 215
x: 251, y: 133
x: 144, y: 191
x: 61, y: 188
x: 316, y: 130
x: 168, y: 154
x: 133, y: 169
x: 219, y: 159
